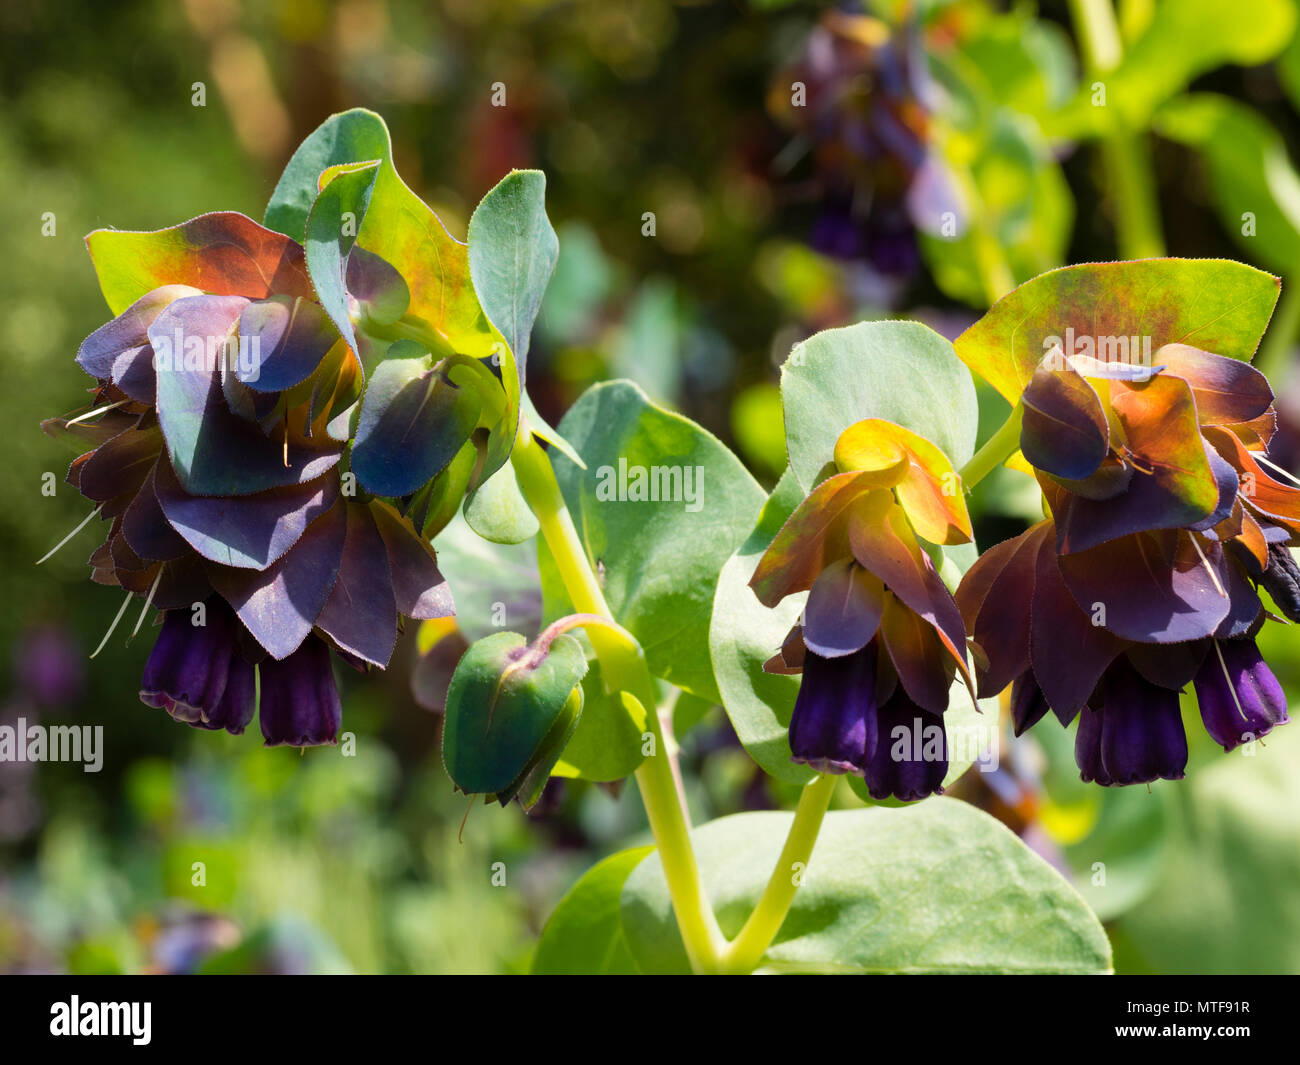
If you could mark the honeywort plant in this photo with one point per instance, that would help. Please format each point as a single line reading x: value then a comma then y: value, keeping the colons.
x: 286, y: 415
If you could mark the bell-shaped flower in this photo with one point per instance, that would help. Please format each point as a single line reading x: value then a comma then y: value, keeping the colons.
x: 879, y: 623
x: 228, y: 392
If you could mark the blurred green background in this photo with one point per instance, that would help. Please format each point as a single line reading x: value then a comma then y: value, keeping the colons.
x: 772, y: 220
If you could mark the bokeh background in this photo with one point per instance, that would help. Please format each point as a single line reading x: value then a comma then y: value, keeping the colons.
x: 772, y: 220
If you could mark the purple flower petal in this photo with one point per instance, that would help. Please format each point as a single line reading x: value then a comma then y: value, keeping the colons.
x: 1239, y: 697
x: 189, y: 669
x: 911, y: 756
x: 1153, y: 587
x: 1064, y: 432
x: 360, y: 614
x: 128, y: 330
x: 413, y: 422
x: 833, y: 727
x: 282, y: 340
x: 419, y: 589
x: 1227, y: 391
x: 279, y: 604
x: 1070, y: 649
x: 201, y: 431
x: 1028, y: 704
x: 994, y: 598
x: 145, y: 526
x: 248, y: 532
x: 1135, y: 735
x: 300, y: 703
x: 843, y: 610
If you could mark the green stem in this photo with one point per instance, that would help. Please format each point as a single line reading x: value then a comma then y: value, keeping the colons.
x: 996, y: 450
x: 623, y: 667
x: 748, y: 948
x: 1125, y: 152
x: 1274, y: 359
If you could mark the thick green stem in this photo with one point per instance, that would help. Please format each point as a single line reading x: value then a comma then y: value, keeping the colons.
x: 996, y: 450
x: 1125, y: 152
x: 624, y: 669
x: 748, y: 948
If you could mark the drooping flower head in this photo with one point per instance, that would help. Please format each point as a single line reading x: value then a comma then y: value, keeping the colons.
x: 1144, y: 579
x: 881, y: 637
x: 284, y: 413
x: 228, y: 394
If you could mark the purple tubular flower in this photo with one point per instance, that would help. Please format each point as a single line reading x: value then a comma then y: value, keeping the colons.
x: 197, y: 672
x: 235, y: 709
x: 1240, y: 698
x: 1133, y: 733
x: 1028, y: 704
x: 911, y: 757
x: 833, y: 728
x: 300, y: 703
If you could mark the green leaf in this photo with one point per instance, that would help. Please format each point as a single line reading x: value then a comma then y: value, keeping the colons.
x: 541, y: 429
x: 328, y: 244
x: 400, y: 228
x: 510, y: 708
x: 607, y: 743
x: 584, y: 934
x: 1182, y: 40
x: 660, y: 557
x: 744, y: 634
x: 498, y: 510
x: 355, y: 136
x: 512, y: 254
x: 937, y: 888
x: 903, y: 372
x: 1213, y: 304
x: 1249, y: 172
x: 493, y: 585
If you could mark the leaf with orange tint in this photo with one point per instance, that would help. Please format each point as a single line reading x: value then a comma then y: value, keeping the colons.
x: 1227, y: 391
x: 1215, y: 304
x: 1173, y: 484
x: 223, y: 254
x: 883, y: 543
x: 1274, y: 500
x: 922, y: 476
x: 924, y: 668
x: 815, y: 535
